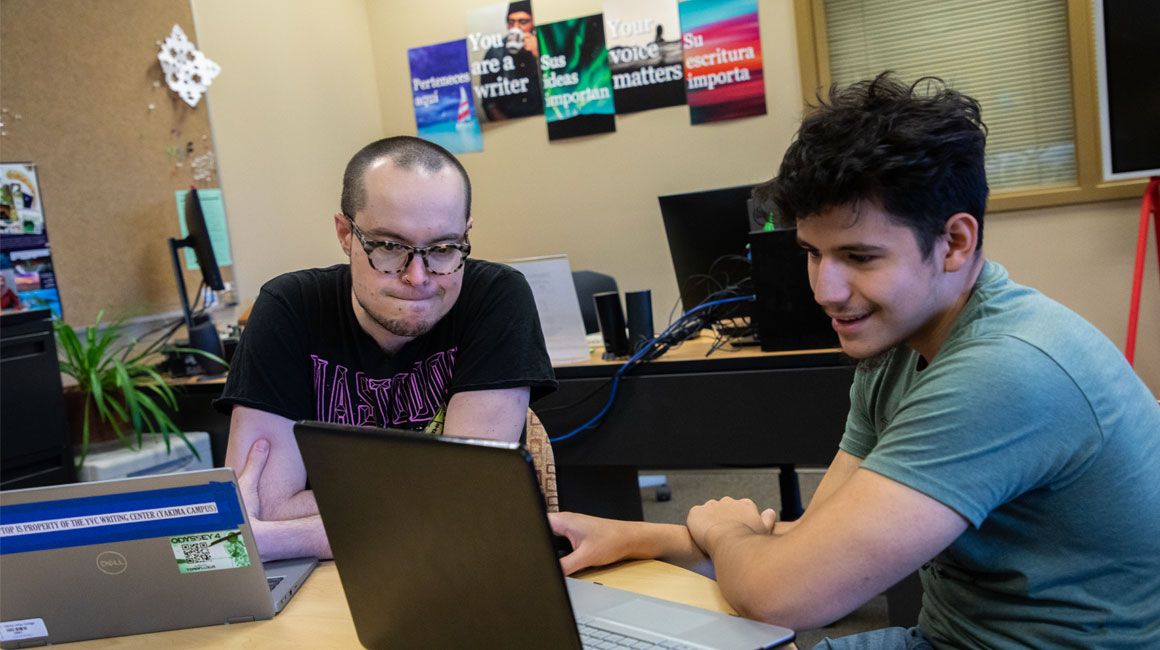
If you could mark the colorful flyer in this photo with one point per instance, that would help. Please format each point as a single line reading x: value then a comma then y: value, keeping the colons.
x: 576, y: 77
x: 27, y: 278
x: 644, y: 52
x: 441, y: 93
x: 503, y: 52
x: 724, y: 79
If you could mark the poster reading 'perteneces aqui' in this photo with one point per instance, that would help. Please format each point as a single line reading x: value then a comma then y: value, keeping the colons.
x: 442, y: 96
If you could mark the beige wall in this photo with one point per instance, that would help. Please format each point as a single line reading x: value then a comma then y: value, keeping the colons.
x: 305, y: 83
x: 296, y: 97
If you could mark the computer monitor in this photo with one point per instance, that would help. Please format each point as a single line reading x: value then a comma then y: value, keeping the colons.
x: 707, y: 233
x: 202, y: 334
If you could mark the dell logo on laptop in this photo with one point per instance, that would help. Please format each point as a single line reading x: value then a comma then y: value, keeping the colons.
x: 112, y: 563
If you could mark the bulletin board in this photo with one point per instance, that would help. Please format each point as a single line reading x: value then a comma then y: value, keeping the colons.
x: 83, y: 96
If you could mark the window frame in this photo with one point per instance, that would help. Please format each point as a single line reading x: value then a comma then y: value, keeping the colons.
x: 814, y: 63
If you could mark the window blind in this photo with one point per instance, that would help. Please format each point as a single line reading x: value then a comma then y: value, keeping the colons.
x: 1010, y: 55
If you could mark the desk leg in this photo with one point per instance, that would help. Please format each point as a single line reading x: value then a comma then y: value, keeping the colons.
x: 601, y: 491
x: 791, y: 493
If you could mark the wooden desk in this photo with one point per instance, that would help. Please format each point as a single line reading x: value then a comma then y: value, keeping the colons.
x: 318, y: 616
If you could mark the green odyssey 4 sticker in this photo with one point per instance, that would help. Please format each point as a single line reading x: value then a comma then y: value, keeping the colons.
x: 224, y: 549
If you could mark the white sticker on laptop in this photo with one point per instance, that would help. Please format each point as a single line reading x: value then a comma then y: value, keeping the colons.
x: 199, y: 552
x: 29, y: 628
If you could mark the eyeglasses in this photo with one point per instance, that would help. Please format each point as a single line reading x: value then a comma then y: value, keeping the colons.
x: 394, y: 257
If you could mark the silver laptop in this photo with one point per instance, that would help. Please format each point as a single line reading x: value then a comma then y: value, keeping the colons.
x: 443, y: 543
x: 130, y: 556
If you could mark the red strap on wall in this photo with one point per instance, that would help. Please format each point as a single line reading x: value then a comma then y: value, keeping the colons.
x: 1147, y: 211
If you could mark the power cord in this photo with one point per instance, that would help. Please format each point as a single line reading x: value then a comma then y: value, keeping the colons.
x: 688, y: 324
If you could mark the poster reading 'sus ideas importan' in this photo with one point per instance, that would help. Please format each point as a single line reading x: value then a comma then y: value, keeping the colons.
x: 576, y: 79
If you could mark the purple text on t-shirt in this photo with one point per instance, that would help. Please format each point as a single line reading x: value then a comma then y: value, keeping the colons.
x: 405, y: 398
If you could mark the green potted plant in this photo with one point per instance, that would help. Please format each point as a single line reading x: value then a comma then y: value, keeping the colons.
x: 121, y: 389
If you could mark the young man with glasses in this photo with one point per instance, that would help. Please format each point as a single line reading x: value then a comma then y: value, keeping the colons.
x: 412, y: 334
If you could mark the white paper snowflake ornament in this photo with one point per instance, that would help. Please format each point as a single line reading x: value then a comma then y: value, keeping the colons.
x: 186, y: 69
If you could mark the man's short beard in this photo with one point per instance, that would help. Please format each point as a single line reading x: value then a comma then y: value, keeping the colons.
x: 876, y: 361
x: 397, y: 327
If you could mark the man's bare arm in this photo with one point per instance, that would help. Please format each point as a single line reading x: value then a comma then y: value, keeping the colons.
x: 839, y: 471
x: 599, y: 541
x: 492, y: 414
x: 868, y: 534
x: 285, y: 518
x: 596, y: 542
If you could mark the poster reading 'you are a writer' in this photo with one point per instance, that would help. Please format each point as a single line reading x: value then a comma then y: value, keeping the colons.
x: 576, y: 78
x: 504, y: 55
x: 724, y: 78
x: 442, y: 97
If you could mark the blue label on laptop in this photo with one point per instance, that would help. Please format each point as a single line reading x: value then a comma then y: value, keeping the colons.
x: 119, y: 517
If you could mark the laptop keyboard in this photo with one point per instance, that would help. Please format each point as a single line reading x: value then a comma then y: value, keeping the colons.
x: 594, y: 638
x: 273, y: 582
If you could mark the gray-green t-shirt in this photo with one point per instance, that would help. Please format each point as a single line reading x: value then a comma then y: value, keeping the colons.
x: 1032, y: 426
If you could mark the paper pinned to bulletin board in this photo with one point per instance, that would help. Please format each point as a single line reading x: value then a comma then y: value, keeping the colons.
x: 214, y: 212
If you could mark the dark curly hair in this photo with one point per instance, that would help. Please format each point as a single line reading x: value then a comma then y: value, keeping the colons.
x: 919, y: 155
x: 406, y: 151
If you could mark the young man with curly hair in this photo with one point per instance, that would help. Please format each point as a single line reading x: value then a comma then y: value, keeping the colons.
x: 996, y: 441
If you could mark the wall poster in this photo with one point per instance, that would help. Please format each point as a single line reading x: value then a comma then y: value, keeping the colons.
x: 576, y: 77
x: 442, y: 96
x: 644, y: 52
x: 504, y: 53
x: 723, y: 69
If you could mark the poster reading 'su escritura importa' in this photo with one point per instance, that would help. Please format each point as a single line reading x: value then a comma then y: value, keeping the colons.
x: 723, y: 70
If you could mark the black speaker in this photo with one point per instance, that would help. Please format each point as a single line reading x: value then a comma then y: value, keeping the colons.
x: 638, y: 304
x: 611, y: 318
x: 204, y: 336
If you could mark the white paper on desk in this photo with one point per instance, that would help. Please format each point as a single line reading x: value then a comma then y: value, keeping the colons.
x: 551, y: 280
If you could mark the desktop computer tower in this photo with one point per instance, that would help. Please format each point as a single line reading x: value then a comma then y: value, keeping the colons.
x: 787, y: 316
x: 35, y: 446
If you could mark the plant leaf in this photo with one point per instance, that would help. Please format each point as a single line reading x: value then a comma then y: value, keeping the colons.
x: 125, y: 382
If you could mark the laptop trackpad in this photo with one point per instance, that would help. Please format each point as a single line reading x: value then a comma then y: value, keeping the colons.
x: 650, y: 615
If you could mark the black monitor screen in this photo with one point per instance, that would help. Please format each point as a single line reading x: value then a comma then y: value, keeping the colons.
x: 199, y: 241
x: 707, y: 233
x: 1130, y: 32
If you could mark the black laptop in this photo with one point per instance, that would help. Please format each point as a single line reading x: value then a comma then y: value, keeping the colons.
x: 442, y: 542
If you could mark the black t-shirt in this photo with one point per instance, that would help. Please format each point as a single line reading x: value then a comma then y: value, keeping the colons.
x: 304, y: 356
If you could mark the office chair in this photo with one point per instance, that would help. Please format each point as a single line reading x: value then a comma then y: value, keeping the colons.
x: 540, y: 446
x: 589, y: 283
